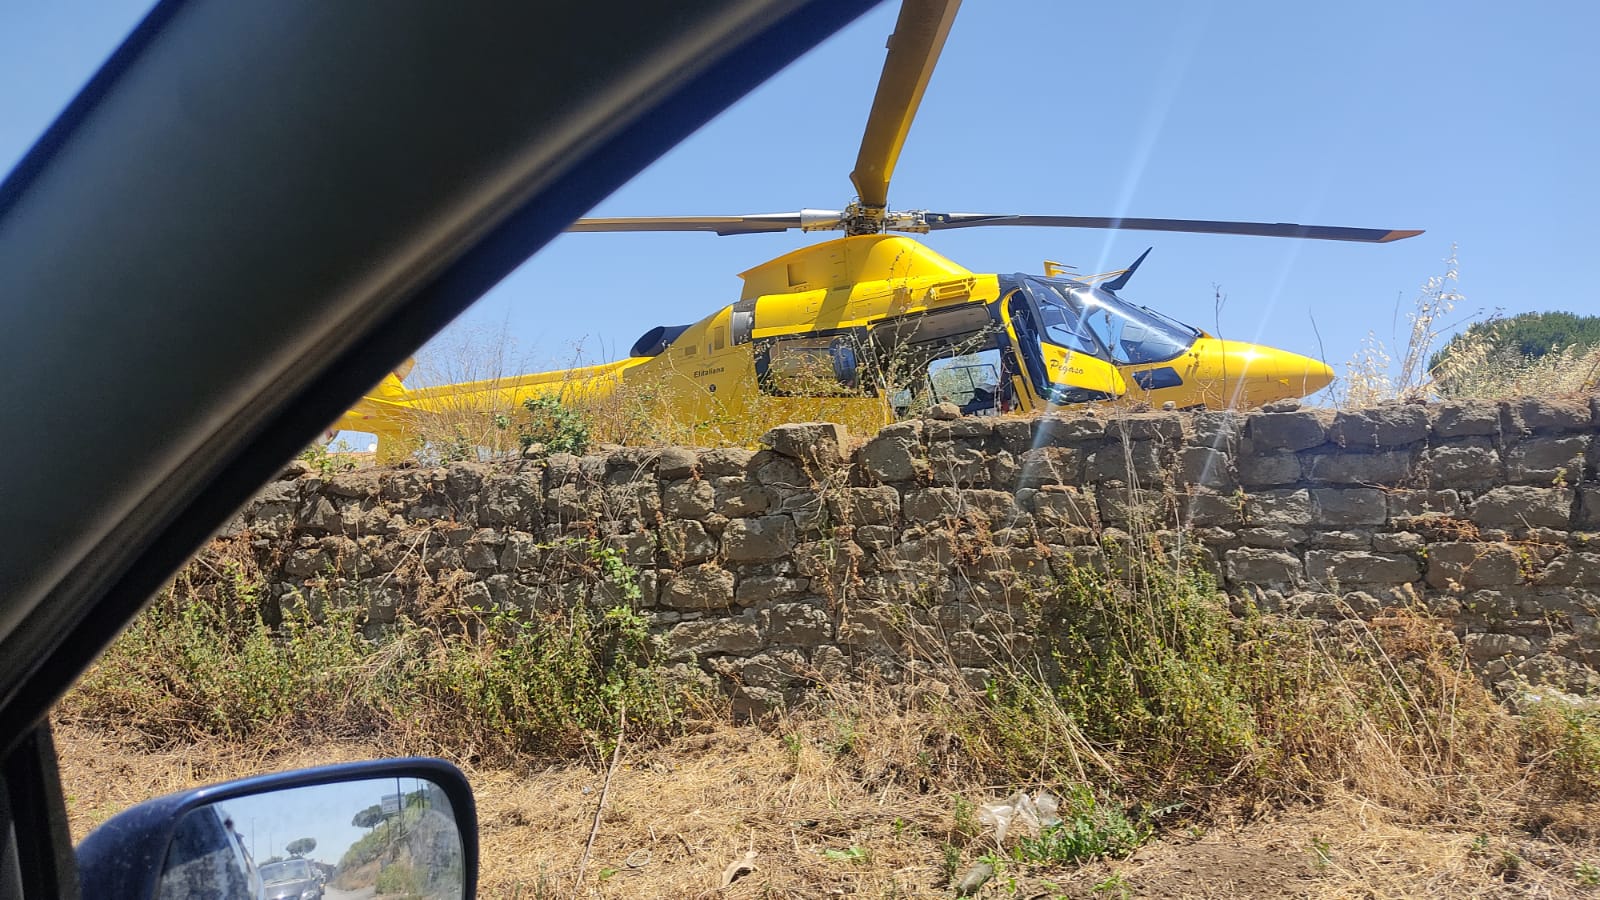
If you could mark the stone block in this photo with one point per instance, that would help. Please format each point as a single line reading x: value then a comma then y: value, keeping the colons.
x: 1361, y: 567
x: 694, y: 499
x: 1515, y: 506
x: 1380, y: 427
x: 758, y: 539
x: 932, y: 551
x: 1202, y: 508
x: 1543, y: 460
x: 1588, y: 507
x: 1135, y: 462
x: 1469, y: 463
x: 1466, y: 418
x: 677, y: 462
x: 307, y: 563
x: 1164, y: 427
x: 931, y: 504
x: 463, y: 481
x: 1482, y: 648
x: 1457, y: 565
x: 1208, y: 467
x: 780, y: 473
x: 509, y: 500
x: 810, y: 443
x: 799, y: 624
x: 1397, y: 542
x: 737, y: 497
x: 865, y: 506
x: 1536, y: 414
x: 1332, y: 507
x: 1218, y: 430
x: 686, y: 541
x: 360, y: 484
x: 713, y: 637
x: 1126, y: 506
x: 1411, y: 504
x: 1340, y: 540
x: 962, y: 463
x: 998, y: 508
x: 1301, y: 429
x: 893, y: 455
x: 724, y: 461
x: 1282, y: 537
x: 869, y: 626
x: 1015, y: 435
x: 754, y: 590
x: 829, y: 559
x: 1249, y: 565
x: 967, y: 427
x: 875, y: 537
x: 699, y: 587
x: 1280, y: 508
x: 1344, y: 467
x: 1057, y: 430
x: 1574, y: 567
x: 1071, y: 507
x: 318, y: 516
x: 775, y: 670
x: 1049, y: 465
x: 1267, y: 469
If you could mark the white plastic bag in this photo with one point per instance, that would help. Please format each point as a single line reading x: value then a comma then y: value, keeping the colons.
x: 1036, y: 813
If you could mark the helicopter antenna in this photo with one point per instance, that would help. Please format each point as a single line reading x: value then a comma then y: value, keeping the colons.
x: 1121, y: 281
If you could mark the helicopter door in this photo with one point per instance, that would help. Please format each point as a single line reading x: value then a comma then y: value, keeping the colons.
x: 972, y: 381
x: 950, y: 355
x: 1025, y: 347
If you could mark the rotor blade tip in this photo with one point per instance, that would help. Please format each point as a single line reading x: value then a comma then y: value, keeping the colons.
x: 1400, y: 235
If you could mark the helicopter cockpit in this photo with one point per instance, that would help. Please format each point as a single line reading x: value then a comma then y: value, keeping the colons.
x: 1088, y: 319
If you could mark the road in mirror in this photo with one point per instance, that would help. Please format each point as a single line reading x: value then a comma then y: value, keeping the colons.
x: 353, y: 840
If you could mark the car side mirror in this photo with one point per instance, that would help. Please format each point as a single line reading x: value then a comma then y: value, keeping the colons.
x: 401, y: 826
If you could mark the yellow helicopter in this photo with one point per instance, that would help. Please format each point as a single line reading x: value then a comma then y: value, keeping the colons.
x: 874, y: 326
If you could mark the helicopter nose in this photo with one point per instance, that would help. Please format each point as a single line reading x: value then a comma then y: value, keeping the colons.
x: 1253, y: 374
x: 1273, y: 374
x: 1290, y: 371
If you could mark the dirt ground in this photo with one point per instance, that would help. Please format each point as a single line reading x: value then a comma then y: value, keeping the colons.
x: 677, y: 818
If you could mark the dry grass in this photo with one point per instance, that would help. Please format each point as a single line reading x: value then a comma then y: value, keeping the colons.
x: 1478, y: 367
x: 1371, y: 375
x: 824, y: 824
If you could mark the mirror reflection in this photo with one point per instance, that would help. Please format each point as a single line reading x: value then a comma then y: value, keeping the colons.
x: 355, y: 840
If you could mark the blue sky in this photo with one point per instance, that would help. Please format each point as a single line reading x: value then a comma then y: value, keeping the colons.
x: 323, y: 813
x: 1477, y: 121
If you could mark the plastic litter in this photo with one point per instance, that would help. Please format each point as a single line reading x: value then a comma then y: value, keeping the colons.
x: 1034, y: 813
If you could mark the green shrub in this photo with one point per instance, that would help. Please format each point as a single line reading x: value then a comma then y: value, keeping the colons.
x: 202, y: 661
x: 1563, y: 744
x: 1090, y: 830
x: 397, y: 878
x: 554, y: 426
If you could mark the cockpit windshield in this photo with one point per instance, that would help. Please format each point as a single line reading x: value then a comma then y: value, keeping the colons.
x: 1090, y: 320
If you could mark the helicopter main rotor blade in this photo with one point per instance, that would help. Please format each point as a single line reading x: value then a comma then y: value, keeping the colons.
x: 942, y: 221
x: 806, y: 219
x: 919, y: 35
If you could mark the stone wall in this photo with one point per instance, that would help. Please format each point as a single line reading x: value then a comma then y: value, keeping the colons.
x: 817, y: 557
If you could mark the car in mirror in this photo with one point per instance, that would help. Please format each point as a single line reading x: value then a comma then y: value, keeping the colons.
x: 405, y: 827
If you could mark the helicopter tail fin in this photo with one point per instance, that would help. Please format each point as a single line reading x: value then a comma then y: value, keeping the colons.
x: 392, y: 386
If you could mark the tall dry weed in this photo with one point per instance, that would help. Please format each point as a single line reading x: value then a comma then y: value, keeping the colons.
x: 1372, y: 375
